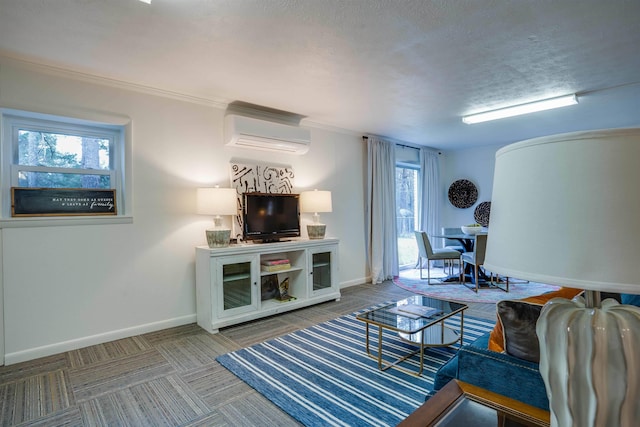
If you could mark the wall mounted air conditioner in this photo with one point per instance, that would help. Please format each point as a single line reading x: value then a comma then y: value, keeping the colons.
x: 256, y: 134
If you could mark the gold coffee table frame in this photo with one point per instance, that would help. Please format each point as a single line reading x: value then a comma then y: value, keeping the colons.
x: 423, y: 331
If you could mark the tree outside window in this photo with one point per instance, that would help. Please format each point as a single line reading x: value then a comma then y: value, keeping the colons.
x: 44, y: 156
x: 406, y: 215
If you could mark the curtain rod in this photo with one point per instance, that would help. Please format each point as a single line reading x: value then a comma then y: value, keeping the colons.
x: 404, y: 145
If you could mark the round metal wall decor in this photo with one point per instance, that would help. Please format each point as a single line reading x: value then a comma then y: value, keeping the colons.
x: 482, y: 212
x: 463, y: 193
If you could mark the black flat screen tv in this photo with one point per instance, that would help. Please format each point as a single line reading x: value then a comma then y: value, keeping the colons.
x: 270, y: 217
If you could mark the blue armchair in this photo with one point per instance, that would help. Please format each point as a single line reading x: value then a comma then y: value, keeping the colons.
x: 502, y: 373
x: 497, y: 372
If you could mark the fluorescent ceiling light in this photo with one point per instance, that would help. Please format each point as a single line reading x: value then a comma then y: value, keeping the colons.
x: 516, y: 110
x: 146, y: 1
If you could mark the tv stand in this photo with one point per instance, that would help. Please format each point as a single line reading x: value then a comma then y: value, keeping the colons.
x: 230, y: 281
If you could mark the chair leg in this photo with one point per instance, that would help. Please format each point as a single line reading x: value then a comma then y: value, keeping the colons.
x: 475, y: 271
x: 462, y: 272
x: 496, y: 284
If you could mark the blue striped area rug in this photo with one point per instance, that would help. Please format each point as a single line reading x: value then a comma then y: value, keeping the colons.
x: 322, y: 376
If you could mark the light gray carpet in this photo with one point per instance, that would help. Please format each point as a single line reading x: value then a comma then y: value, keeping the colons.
x: 166, y: 378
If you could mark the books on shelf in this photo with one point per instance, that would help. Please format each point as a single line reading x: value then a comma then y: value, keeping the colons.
x: 271, y: 265
x: 276, y: 267
x: 274, y: 261
x: 417, y: 310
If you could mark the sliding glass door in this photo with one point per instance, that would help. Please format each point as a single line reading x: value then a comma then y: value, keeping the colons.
x: 407, y: 213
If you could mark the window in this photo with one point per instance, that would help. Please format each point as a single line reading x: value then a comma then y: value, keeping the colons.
x: 55, y: 152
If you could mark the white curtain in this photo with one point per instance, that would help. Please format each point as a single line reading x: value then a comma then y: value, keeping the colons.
x: 380, y: 222
x: 430, y: 191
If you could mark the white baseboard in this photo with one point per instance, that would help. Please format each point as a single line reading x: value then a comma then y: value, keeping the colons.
x: 355, y: 282
x: 48, y: 350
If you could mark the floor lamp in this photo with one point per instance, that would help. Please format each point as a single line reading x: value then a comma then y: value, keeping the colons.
x: 565, y: 210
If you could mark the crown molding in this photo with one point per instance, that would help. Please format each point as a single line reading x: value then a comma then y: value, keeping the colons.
x: 6, y: 57
x: 55, y: 70
x: 330, y: 128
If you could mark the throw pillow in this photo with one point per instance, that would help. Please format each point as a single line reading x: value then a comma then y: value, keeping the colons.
x: 518, y: 319
x: 519, y: 314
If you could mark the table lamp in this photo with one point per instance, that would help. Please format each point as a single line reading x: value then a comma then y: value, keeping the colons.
x: 565, y: 210
x: 315, y: 201
x: 217, y: 201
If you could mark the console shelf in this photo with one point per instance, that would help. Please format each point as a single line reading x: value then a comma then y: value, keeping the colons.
x: 229, y: 281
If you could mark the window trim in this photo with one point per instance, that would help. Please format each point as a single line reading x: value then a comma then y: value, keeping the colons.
x: 120, y: 156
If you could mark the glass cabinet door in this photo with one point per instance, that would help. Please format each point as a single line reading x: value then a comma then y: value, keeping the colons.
x: 236, y: 285
x: 321, y: 270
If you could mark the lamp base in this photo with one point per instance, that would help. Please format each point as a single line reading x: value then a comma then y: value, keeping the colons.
x: 218, y: 238
x: 316, y: 231
x: 589, y: 362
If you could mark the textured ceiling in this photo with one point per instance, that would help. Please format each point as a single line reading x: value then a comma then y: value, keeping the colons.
x: 405, y: 69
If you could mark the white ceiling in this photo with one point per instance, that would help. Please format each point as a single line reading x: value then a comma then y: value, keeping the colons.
x: 405, y: 69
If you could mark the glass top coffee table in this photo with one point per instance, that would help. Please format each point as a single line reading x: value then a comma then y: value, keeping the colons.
x: 420, y: 331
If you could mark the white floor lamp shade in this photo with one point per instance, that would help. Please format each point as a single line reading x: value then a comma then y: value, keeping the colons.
x: 565, y: 210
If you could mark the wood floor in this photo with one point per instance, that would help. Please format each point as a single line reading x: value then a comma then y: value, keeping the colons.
x: 168, y: 377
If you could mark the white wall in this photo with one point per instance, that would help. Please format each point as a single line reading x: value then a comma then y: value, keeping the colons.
x: 477, y: 166
x: 70, y: 286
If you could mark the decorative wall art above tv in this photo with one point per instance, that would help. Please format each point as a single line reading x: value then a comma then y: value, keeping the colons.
x: 463, y: 193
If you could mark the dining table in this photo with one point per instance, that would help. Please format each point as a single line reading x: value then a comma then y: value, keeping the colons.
x: 466, y: 240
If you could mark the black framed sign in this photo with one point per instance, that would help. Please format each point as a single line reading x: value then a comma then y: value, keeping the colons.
x: 62, y: 201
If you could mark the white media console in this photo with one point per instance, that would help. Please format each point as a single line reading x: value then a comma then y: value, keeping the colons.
x: 231, y: 286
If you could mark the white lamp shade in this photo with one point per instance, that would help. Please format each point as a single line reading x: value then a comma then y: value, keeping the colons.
x: 217, y: 201
x: 565, y: 210
x: 315, y: 201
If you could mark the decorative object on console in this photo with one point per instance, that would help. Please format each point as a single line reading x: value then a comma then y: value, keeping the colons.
x: 269, y: 287
x: 481, y: 213
x: 247, y: 178
x: 315, y: 201
x: 463, y: 193
x: 283, y: 287
x: 217, y: 201
x: 561, y: 187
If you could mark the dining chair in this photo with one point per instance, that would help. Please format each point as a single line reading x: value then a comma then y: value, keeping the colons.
x: 426, y: 251
x: 451, y: 243
x: 476, y: 258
